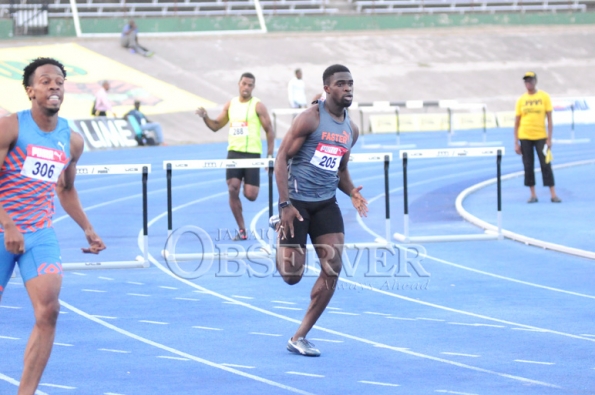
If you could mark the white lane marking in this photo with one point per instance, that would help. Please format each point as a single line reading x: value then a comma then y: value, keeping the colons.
x: 77, y: 273
x: 154, y: 322
x: 64, y: 387
x: 342, y: 313
x: 305, y: 374
x: 534, y: 362
x: 9, y: 338
x: 93, y: 290
x: 231, y: 302
x: 12, y: 381
x: 265, y: 334
x: 333, y: 308
x: 529, y: 330
x: 378, y: 383
x: 181, y: 353
x: 429, y: 319
x: 476, y: 324
x: 198, y: 291
x: 242, y: 297
x: 514, y: 280
x: 326, y: 340
x: 287, y: 308
x: 231, y: 365
x: 460, y: 354
x: 63, y: 344
x: 375, y: 313
x: 207, y: 328
x: 191, y: 299
x: 174, y: 358
x: 143, y: 295
x: 112, y: 350
x: 337, y: 333
x: 105, y: 317
x: 585, y: 335
x: 282, y: 302
x: 106, y: 278
x: 63, y: 312
x: 401, y: 318
x: 10, y: 307
x: 134, y: 283
x: 454, y: 392
x: 166, y: 287
x: 362, y: 340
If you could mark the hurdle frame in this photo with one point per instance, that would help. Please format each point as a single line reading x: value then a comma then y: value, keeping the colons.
x: 449, y: 153
x: 380, y: 106
x: 144, y: 170
x: 572, y: 139
x: 267, y: 252
x: 450, y: 106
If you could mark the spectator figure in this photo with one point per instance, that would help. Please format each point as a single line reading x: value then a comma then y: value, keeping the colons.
x: 103, y: 105
x: 296, y: 90
x: 532, y: 109
x: 144, y: 123
x: 129, y: 39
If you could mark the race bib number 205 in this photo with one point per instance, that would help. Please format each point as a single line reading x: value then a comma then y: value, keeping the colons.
x: 43, y: 163
x: 328, y: 157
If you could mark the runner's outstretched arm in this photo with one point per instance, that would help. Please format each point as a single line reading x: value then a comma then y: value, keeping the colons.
x: 69, y: 198
x: 217, y: 123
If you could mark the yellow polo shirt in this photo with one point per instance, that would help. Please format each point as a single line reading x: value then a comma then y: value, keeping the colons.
x: 532, y: 110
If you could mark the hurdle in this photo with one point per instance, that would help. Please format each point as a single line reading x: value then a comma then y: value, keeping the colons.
x: 144, y: 170
x: 450, y: 107
x: 265, y: 252
x: 380, y: 106
x: 449, y: 153
x: 284, y: 111
x: 572, y: 139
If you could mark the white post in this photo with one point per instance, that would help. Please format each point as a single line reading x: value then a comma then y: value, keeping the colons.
x: 406, y: 227
x: 263, y: 25
x: 500, y: 237
x: 75, y: 18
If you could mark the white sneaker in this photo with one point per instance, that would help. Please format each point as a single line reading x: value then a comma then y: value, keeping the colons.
x: 302, y: 347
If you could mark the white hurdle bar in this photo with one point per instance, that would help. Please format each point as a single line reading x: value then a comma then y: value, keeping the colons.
x: 380, y: 107
x: 170, y: 165
x: 143, y: 169
x: 572, y: 139
x: 449, y: 153
x: 453, y: 105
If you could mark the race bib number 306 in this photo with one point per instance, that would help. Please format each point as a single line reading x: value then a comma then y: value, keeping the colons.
x: 43, y: 163
x: 328, y: 157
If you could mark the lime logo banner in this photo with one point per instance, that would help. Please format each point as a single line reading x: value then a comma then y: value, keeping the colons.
x: 85, y: 72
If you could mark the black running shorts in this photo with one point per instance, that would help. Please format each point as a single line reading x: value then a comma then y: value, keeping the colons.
x: 250, y: 176
x: 320, y: 218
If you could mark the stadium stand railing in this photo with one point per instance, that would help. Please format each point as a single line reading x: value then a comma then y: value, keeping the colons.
x: 466, y: 6
x: 148, y: 8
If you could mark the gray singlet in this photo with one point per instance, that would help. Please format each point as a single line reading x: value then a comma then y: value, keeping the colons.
x: 313, y: 170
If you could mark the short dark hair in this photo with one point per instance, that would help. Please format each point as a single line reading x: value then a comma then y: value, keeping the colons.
x: 29, y: 70
x: 248, y: 75
x: 336, y: 68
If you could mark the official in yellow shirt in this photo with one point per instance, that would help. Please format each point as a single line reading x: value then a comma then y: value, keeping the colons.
x: 530, y: 135
x: 246, y: 115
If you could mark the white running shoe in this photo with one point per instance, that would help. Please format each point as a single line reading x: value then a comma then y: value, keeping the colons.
x: 274, y: 221
x: 302, y: 347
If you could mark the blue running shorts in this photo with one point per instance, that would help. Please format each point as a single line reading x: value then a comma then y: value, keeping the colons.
x: 41, y: 256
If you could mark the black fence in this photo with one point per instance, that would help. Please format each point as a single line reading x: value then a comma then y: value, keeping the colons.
x: 29, y: 17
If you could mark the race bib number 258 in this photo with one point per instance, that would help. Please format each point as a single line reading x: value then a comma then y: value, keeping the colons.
x: 43, y: 163
x: 328, y: 157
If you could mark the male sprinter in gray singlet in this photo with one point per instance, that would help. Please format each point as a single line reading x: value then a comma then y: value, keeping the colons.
x: 311, y: 164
